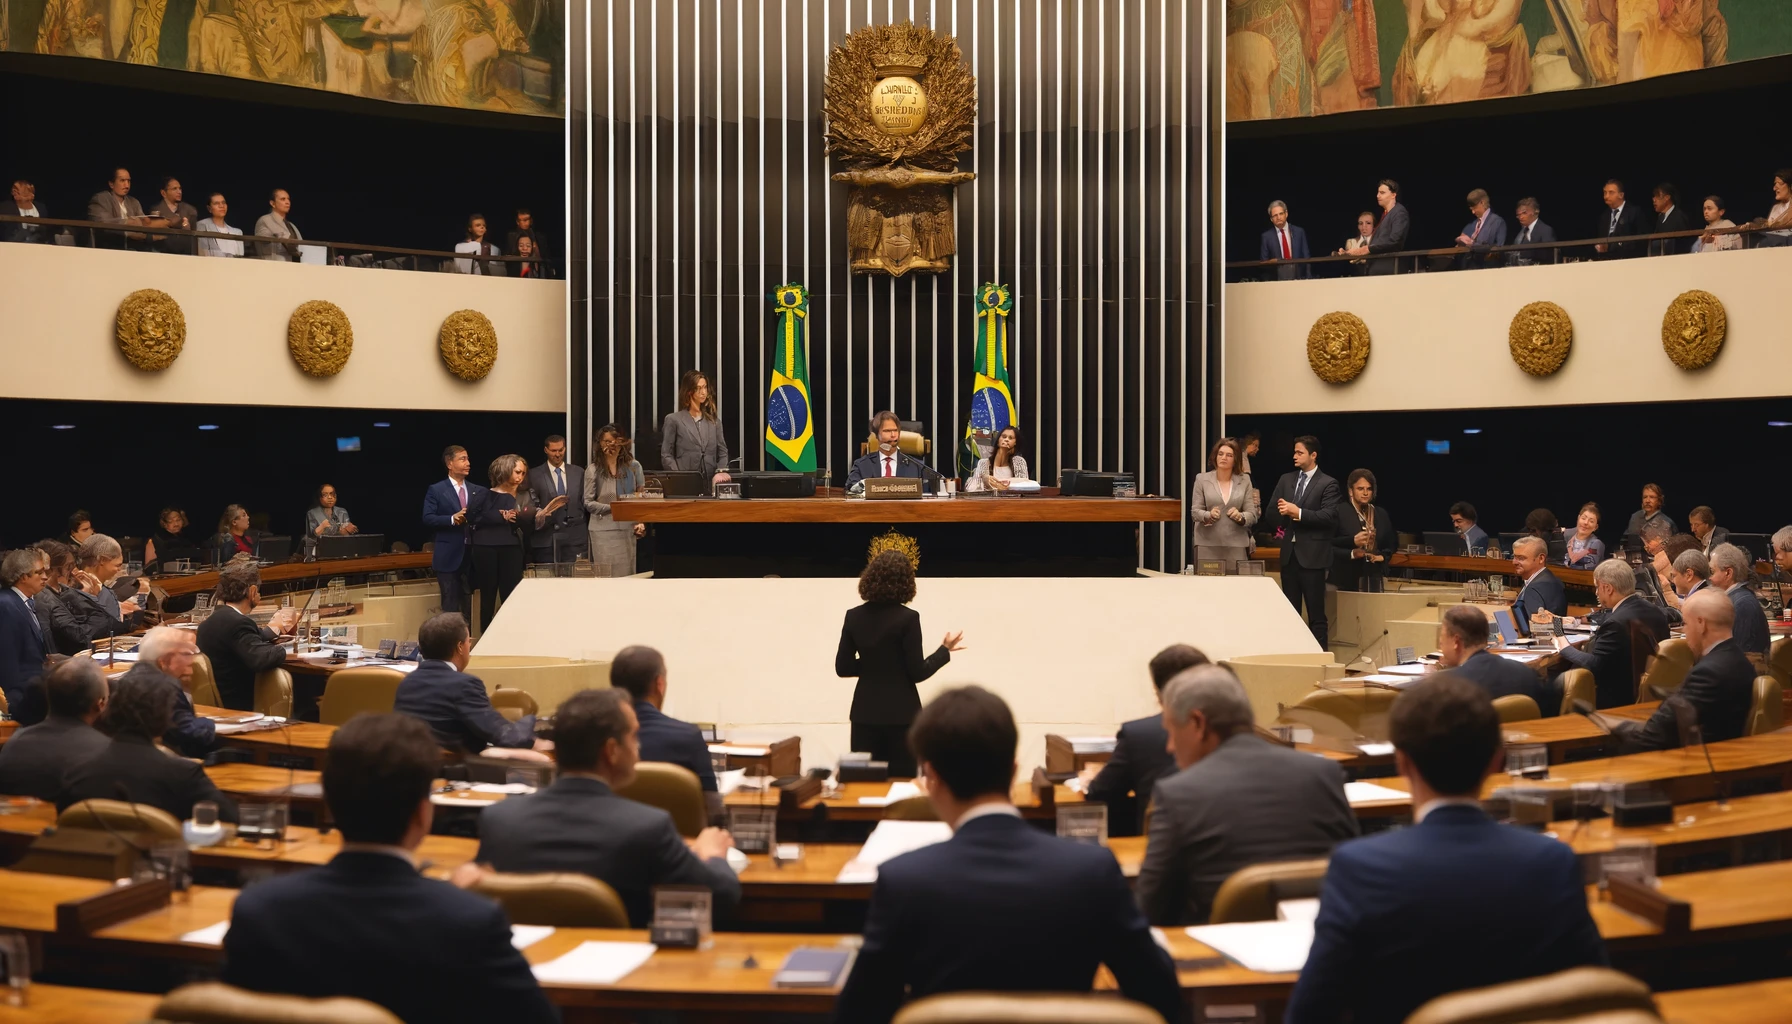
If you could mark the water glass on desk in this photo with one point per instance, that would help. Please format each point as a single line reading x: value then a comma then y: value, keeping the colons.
x: 15, y: 968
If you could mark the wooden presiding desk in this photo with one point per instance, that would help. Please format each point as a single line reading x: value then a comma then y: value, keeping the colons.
x: 299, y: 573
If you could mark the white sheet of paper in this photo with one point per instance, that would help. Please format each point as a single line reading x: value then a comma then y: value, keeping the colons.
x: 522, y: 936
x: 1273, y: 947
x: 1369, y: 792
x: 1092, y: 744
x: 1522, y: 658
x: 507, y: 788
x: 729, y: 781
x: 891, y: 839
x: 1391, y: 680
x: 595, y: 963
x: 1298, y: 910
x: 898, y: 791
x: 119, y: 656
x: 738, y: 750
x: 1375, y: 749
x: 1414, y: 669
x: 212, y: 935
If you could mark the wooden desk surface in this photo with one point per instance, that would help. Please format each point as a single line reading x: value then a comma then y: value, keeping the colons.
x: 1704, y: 821
x: 1483, y: 566
x: 1013, y: 509
x: 846, y: 806
x: 287, y: 572
x: 60, y: 1004
x: 1757, y: 1002
x: 260, y: 780
x: 304, y: 739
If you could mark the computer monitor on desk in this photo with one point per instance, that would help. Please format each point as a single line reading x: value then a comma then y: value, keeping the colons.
x: 678, y: 483
x: 274, y: 547
x: 1446, y: 543
x: 359, y: 545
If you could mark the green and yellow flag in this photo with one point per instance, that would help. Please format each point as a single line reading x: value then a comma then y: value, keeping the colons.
x: 992, y: 399
x: 789, y: 423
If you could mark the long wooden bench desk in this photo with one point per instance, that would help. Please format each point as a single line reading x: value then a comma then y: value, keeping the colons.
x: 61, y: 1004
x: 1758, y: 1002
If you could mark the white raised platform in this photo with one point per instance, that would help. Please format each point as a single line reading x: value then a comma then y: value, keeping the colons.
x: 756, y: 656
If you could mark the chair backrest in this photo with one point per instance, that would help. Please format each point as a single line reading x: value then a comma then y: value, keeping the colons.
x: 911, y: 442
x: 1578, y: 684
x: 1010, y: 1008
x: 563, y: 900
x: 273, y: 692
x: 119, y: 816
x: 1768, y: 710
x: 1779, y: 660
x: 1642, y: 652
x: 212, y: 1002
x: 1516, y: 707
x: 672, y: 788
x: 1582, y: 994
x: 1251, y: 893
x: 351, y: 691
x: 513, y: 704
x: 205, y: 685
x: 914, y: 808
x: 1673, y: 659
x: 1349, y: 713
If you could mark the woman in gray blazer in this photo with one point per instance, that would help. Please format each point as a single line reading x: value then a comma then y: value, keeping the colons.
x: 691, y: 440
x: 328, y: 519
x: 1224, y: 507
x: 613, y: 474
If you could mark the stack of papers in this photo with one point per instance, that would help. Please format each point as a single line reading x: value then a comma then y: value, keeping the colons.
x: 595, y: 963
x: 1415, y: 669
x: 212, y: 935
x: 898, y: 791
x: 738, y: 749
x: 1522, y: 657
x: 729, y: 781
x: 1375, y: 749
x: 1272, y: 947
x: 891, y: 839
x: 1391, y: 680
x: 1298, y: 910
x: 1369, y: 792
x: 522, y: 936
x: 1091, y: 744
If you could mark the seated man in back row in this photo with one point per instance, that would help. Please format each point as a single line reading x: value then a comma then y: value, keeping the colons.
x: 1609, y: 654
x: 454, y: 704
x: 1717, y: 693
x: 1141, y: 750
x: 238, y: 649
x: 641, y: 671
x: 1462, y: 647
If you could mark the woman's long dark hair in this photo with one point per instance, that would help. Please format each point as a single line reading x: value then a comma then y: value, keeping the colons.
x: 687, y: 386
x: 1002, y: 456
x: 623, y: 458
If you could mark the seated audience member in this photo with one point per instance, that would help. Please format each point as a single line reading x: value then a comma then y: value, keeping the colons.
x: 1531, y: 230
x: 80, y: 527
x: 34, y: 761
x: 454, y: 705
x: 367, y: 924
x: 275, y: 225
x: 1462, y: 636
x: 579, y: 824
x: 967, y: 914
x: 173, y: 213
x: 237, y: 648
x: 1777, y: 224
x: 167, y: 540
x: 1541, y: 591
x: 1716, y: 219
x: 477, y: 244
x: 23, y: 645
x: 1782, y: 548
x: 1365, y: 233
x: 24, y: 204
x: 1650, y: 514
x: 1703, y: 524
x: 641, y: 671
x: 1284, y: 241
x: 1585, y: 550
x: 165, y: 657
x: 1691, y: 573
x: 1455, y: 902
x: 525, y: 246
x: 1236, y: 800
x: 1731, y: 568
x: 99, y: 566
x: 1463, y: 519
x: 1609, y: 654
x: 131, y: 768
x: 69, y: 623
x: 234, y: 537
x: 525, y: 228
x: 1717, y: 692
x: 116, y: 205
x: 326, y: 519
x: 224, y: 247
x: 1141, y: 750
x: 1485, y: 230
x: 1668, y: 217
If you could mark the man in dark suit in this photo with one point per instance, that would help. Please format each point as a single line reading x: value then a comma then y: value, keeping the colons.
x: 641, y: 672
x: 563, y: 537
x: 580, y: 825
x: 367, y: 924
x: 1531, y: 229
x: 35, y: 760
x: 1669, y: 217
x: 1238, y: 800
x: 1480, y: 235
x: 1462, y: 647
x: 1608, y: 654
x: 1717, y: 693
x: 455, y: 706
x: 1390, y: 234
x: 23, y: 573
x: 888, y: 459
x: 1141, y: 751
x: 1306, y: 505
x: 1702, y: 522
x: 130, y: 768
x: 24, y: 204
x: 965, y: 914
x: 445, y: 511
x: 1730, y: 570
x: 237, y: 648
x: 1454, y: 902
x: 1621, y: 219
x: 1541, y: 590
x: 1285, y: 241
x: 165, y: 657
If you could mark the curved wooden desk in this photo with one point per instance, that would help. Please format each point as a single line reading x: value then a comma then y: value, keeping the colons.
x: 289, y: 572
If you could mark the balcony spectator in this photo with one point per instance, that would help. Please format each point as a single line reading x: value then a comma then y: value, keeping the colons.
x: 1716, y: 218
x: 1668, y: 217
x: 525, y: 228
x: 525, y: 246
x: 476, y: 243
x: 1365, y: 233
x: 1478, y: 236
x: 1284, y: 241
x: 215, y: 223
x: 1390, y: 234
x: 274, y: 224
x: 1531, y: 229
x: 116, y: 205
x: 1778, y: 221
x: 24, y: 204
x: 1621, y: 220
x: 175, y: 214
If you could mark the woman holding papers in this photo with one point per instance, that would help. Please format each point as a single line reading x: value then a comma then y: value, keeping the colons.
x: 1224, y: 507
x: 613, y: 474
x: 1365, y: 544
x: 880, y: 644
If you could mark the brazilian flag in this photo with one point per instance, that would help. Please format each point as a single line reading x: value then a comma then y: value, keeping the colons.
x: 789, y: 424
x: 992, y: 399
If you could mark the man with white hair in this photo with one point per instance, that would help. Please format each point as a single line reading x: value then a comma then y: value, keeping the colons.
x: 1608, y: 654
x: 23, y: 646
x: 1689, y: 574
x: 1782, y: 548
x: 98, y: 563
x: 166, y: 656
x: 1237, y: 800
x: 1730, y: 569
x: 1541, y: 590
x: 1717, y: 692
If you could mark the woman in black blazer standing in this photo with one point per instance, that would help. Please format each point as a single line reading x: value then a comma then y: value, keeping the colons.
x: 1361, y: 559
x: 880, y: 643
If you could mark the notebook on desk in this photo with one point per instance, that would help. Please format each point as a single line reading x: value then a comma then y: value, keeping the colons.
x: 811, y: 967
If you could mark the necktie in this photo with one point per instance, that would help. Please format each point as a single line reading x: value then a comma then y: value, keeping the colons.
x: 31, y: 606
x: 461, y: 493
x: 1613, y: 229
x: 559, y: 482
x: 1527, y: 231
x: 889, y: 466
x: 1287, y: 253
x: 1300, y: 488
x: 1477, y: 233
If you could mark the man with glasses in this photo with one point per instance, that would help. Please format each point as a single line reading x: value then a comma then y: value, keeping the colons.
x: 23, y: 573
x: 166, y: 657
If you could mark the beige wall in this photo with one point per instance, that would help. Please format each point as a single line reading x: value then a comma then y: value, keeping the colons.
x: 1438, y: 341
x: 57, y: 337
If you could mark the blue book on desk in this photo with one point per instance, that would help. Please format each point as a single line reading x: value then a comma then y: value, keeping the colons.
x: 809, y: 967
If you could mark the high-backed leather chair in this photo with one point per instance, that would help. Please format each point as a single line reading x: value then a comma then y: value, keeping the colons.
x: 351, y: 691
x: 212, y: 1002
x: 513, y: 704
x: 1251, y: 893
x: 1779, y: 660
x: 119, y: 816
x: 1673, y: 659
x: 273, y: 692
x: 1516, y: 707
x: 912, y: 442
x: 1583, y: 995
x: 563, y: 900
x: 1011, y: 1008
x: 914, y: 808
x: 1579, y: 685
x: 1767, y: 711
x: 205, y: 685
x: 672, y: 788
x: 1361, y: 711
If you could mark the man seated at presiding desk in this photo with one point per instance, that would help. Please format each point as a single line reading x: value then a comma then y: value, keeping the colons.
x: 1141, y: 750
x: 1462, y: 636
x: 579, y: 824
x: 165, y: 658
x: 131, y: 768
x: 1608, y: 654
x: 1238, y: 800
x: 34, y: 761
x: 1457, y: 901
x: 1717, y: 693
x: 455, y: 706
x: 237, y: 648
x: 1001, y: 906
x: 1541, y: 591
x: 1730, y: 570
x: 367, y: 924
x: 641, y: 672
x: 888, y: 459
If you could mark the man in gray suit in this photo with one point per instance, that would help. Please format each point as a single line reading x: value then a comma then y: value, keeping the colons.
x: 562, y: 538
x: 1390, y: 234
x: 1238, y: 800
x: 116, y: 205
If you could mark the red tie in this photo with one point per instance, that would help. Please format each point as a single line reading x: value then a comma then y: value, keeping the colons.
x: 1286, y: 253
x: 889, y: 466
x: 1476, y: 236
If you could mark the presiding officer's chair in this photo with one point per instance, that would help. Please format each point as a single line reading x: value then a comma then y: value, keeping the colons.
x: 205, y: 685
x: 914, y: 440
x: 1673, y: 659
x: 513, y: 704
x: 1767, y: 711
x: 1516, y: 707
x: 119, y: 816
x: 351, y: 691
x: 562, y: 900
x: 1593, y: 995
x: 1251, y: 893
x: 1578, y: 686
x: 212, y: 1002
x: 1011, y: 1008
x: 273, y: 692
x: 672, y: 788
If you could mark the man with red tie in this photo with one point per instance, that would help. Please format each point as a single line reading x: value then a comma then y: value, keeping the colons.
x: 445, y: 510
x: 1284, y: 241
x: 886, y: 459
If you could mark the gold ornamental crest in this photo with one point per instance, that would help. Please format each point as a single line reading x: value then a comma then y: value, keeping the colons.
x: 1694, y: 328
x: 151, y: 329
x: 1540, y: 336
x: 469, y: 344
x: 1338, y: 347
x: 320, y: 338
x: 901, y: 543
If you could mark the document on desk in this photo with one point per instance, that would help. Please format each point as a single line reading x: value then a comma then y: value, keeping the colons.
x: 729, y: 781
x: 891, y: 839
x: 1273, y: 947
x: 212, y: 935
x: 522, y: 936
x: 1522, y: 657
x: 898, y: 791
x: 1092, y: 744
x: 595, y: 963
x: 1414, y: 669
x: 739, y: 750
x: 1369, y: 792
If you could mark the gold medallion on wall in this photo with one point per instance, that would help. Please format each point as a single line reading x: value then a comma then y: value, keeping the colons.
x: 151, y: 329
x: 1338, y: 347
x: 469, y: 344
x: 1540, y: 336
x: 1693, y: 329
x: 320, y: 338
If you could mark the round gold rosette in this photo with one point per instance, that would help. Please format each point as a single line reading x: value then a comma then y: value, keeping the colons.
x: 1693, y: 329
x: 1540, y: 336
x: 151, y: 329
x: 320, y: 338
x: 1338, y: 347
x: 469, y: 344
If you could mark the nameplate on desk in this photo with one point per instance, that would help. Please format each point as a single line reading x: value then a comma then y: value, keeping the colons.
x: 1651, y: 904
x: 893, y: 488
x: 89, y: 914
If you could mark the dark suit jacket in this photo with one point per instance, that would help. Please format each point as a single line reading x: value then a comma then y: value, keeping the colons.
x: 966, y: 914
x: 664, y: 738
x: 569, y: 523
x: 1389, y: 236
x: 1751, y: 622
x: 368, y: 925
x: 1674, y: 220
x: 1454, y: 902
x: 35, y: 760
x: 1311, y: 534
x: 238, y: 650
x: 131, y: 768
x: 188, y: 735
x: 1719, y: 689
x: 1270, y: 248
x: 1503, y: 678
x: 1248, y: 802
x: 873, y: 465
x: 579, y: 824
x: 1543, y: 591
x: 22, y: 646
x: 1493, y: 233
x: 457, y: 709
x: 1540, y: 232
x: 880, y: 643
x: 1348, y: 572
x: 439, y: 507
x: 1607, y: 655
x: 1632, y: 220
x: 70, y: 623
x: 1141, y: 758
x: 14, y: 232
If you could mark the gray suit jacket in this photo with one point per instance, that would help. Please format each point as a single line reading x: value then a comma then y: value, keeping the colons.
x: 271, y: 226
x: 1225, y: 533
x: 315, y: 518
x: 1249, y: 802
x: 568, y: 523
x: 103, y: 208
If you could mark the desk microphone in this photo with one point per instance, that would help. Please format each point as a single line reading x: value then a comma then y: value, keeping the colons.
x: 1365, y: 655
x: 1717, y: 786
x: 903, y: 456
